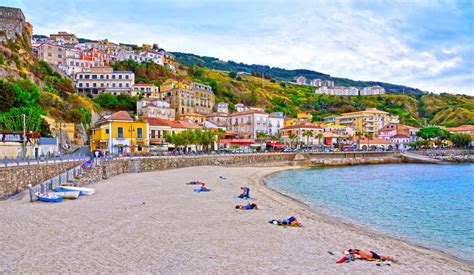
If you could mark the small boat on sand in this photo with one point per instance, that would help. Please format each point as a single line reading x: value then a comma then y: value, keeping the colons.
x: 72, y: 195
x: 48, y: 197
x: 84, y: 191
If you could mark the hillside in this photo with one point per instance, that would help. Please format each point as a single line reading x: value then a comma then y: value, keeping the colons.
x: 282, y: 74
x: 416, y: 110
x: 32, y: 87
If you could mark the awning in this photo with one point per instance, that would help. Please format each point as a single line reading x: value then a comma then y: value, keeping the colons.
x: 276, y: 144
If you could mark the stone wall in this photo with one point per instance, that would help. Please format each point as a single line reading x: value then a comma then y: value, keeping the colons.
x: 12, y: 21
x: 16, y: 178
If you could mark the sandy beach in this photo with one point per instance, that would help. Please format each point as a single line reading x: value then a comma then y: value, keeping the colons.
x: 154, y: 223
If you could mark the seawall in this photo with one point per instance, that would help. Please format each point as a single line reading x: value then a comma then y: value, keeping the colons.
x: 15, y: 179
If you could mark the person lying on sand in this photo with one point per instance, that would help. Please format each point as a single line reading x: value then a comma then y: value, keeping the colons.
x: 245, y: 193
x: 195, y: 182
x: 204, y: 187
x: 249, y: 206
x: 291, y: 221
x: 361, y: 254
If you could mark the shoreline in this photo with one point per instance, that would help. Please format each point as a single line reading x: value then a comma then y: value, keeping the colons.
x: 354, y: 225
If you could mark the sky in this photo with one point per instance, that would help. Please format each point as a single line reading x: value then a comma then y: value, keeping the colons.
x: 423, y: 44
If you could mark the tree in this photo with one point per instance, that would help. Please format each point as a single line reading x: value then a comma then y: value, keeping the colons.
x: 220, y: 135
x: 461, y: 140
x: 232, y: 75
x: 369, y: 137
x: 308, y: 134
x: 292, y: 138
x: 319, y: 136
x: 359, y: 134
x: 260, y: 136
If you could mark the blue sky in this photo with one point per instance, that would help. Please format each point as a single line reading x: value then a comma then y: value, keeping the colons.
x: 423, y: 44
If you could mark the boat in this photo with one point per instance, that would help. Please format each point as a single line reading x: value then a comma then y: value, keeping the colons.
x: 60, y: 189
x: 72, y: 195
x: 48, y: 197
x: 84, y: 191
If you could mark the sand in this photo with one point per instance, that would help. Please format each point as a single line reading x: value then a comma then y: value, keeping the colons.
x: 153, y: 222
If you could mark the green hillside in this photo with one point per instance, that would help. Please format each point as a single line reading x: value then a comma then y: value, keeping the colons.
x: 282, y: 74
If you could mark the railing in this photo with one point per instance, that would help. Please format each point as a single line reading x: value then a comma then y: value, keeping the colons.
x: 7, y: 162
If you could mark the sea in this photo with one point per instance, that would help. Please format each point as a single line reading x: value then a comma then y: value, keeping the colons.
x: 427, y: 204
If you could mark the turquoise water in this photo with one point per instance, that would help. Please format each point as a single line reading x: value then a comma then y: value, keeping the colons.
x: 431, y: 205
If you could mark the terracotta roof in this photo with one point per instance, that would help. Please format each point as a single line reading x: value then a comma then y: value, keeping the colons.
x: 374, y: 140
x: 217, y: 114
x: 400, y: 136
x: 143, y: 84
x: 154, y: 121
x: 247, y: 113
x: 461, y: 128
x: 303, y: 125
x: 120, y: 115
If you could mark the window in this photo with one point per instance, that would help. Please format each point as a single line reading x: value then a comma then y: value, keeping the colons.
x: 120, y: 76
x: 120, y: 85
x: 120, y: 132
x: 107, y: 131
x: 101, y: 76
x: 113, y: 76
x: 86, y: 76
x: 139, y: 133
x: 126, y: 76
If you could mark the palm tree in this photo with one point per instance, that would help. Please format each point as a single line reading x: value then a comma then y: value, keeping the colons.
x: 308, y: 134
x: 292, y: 137
x: 260, y: 136
x: 359, y: 134
x: 369, y: 137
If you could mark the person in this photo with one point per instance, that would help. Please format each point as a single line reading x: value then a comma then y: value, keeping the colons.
x: 249, y: 206
x: 291, y: 221
x: 351, y: 254
x: 195, y: 182
x: 204, y: 187
x: 245, y: 193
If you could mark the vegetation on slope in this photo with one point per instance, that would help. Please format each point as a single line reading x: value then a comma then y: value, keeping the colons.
x: 282, y: 74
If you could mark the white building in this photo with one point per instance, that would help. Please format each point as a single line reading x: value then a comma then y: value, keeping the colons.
x: 150, y: 107
x: 301, y: 80
x: 223, y: 107
x: 146, y: 90
x: 104, y: 80
x: 374, y: 90
x: 316, y: 82
x: 338, y: 90
x: 275, y: 123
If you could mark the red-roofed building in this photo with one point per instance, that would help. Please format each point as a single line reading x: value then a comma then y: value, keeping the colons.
x: 401, y: 141
x: 247, y: 124
x: 301, y: 131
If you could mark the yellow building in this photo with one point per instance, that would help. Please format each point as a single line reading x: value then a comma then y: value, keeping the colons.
x: 304, y: 117
x: 193, y: 117
x: 368, y: 121
x: 120, y: 134
x: 291, y: 122
x: 69, y: 128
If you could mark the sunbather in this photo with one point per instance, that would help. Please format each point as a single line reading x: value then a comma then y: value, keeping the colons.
x: 352, y: 254
x: 195, y: 182
x: 291, y: 221
x: 245, y: 193
x: 204, y: 187
x: 249, y: 206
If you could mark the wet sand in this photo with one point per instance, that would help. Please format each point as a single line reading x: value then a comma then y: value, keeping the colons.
x: 154, y: 222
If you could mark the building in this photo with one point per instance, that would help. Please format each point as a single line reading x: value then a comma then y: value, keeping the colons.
x: 240, y: 107
x: 275, y: 123
x: 187, y: 98
x: 146, y: 56
x: 304, y: 117
x: 64, y: 38
x: 316, y: 82
x: 327, y: 83
x: 463, y: 129
x: 300, y: 132
x: 104, y: 80
x: 374, y: 90
x: 400, y: 141
x: 48, y: 146
x: 301, y: 80
x: 219, y: 119
x: 338, y: 90
x: 120, y: 134
x: 368, y: 121
x: 192, y: 117
x: 12, y: 145
x: 247, y: 124
x: 372, y: 144
x: 223, y: 107
x: 98, y: 57
x: 159, y: 128
x: 169, y: 60
x: 155, y: 108
x: 146, y: 90
x: 53, y: 54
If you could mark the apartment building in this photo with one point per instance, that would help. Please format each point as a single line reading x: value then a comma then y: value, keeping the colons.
x: 219, y: 119
x: 53, y: 54
x: 223, y: 107
x: 374, y: 90
x: 151, y: 107
x: 104, y: 80
x: 338, y: 90
x: 300, y: 131
x: 301, y: 80
x: 146, y: 90
x: 368, y: 121
x: 64, y: 38
x: 247, y: 124
x: 275, y: 123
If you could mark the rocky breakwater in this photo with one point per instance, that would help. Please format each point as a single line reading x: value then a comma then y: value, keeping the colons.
x: 16, y: 179
x: 352, y: 158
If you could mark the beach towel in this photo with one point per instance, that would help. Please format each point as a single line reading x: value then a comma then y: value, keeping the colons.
x: 247, y: 198
x: 199, y: 190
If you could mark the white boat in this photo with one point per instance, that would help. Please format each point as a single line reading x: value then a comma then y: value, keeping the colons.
x: 72, y: 195
x: 84, y: 191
